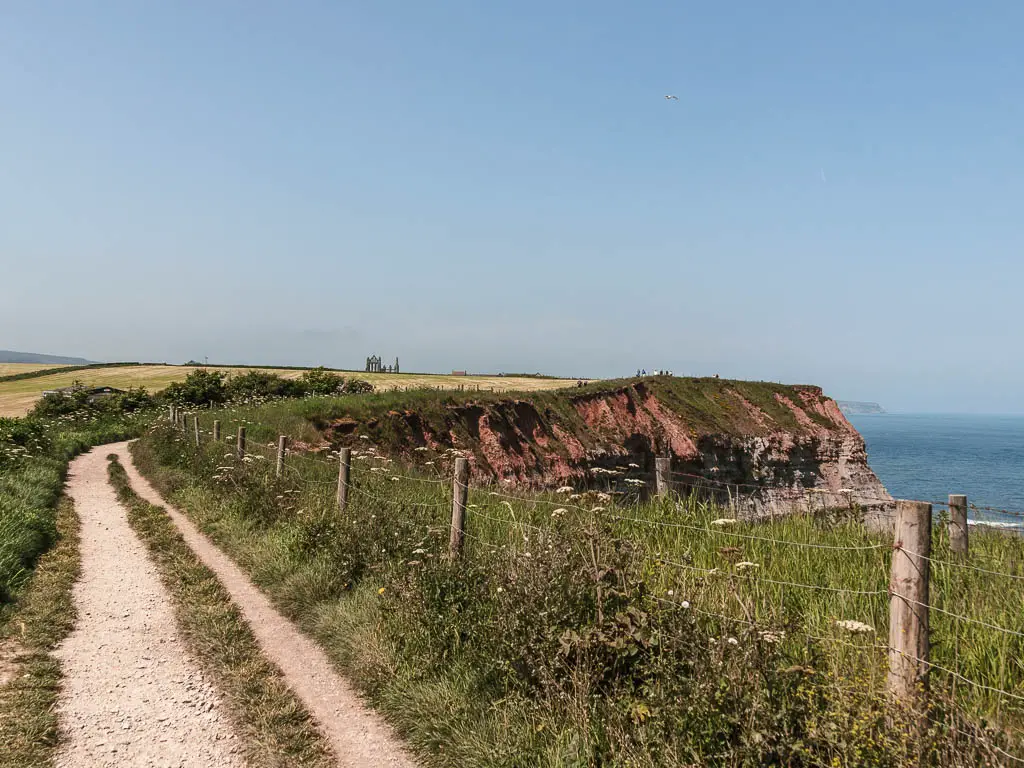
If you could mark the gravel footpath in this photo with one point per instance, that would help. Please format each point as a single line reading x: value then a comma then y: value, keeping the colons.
x: 131, y: 695
x: 358, y: 736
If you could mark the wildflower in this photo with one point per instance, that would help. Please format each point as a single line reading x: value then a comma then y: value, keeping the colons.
x: 422, y: 448
x: 733, y: 641
x: 685, y: 603
x: 499, y: 590
x: 634, y: 466
x: 381, y: 591
x: 564, y: 489
x: 746, y: 564
x: 597, y: 509
x: 419, y: 551
x: 636, y: 482
x: 575, y: 497
x: 855, y: 627
x: 558, y: 512
x: 670, y: 592
x: 773, y: 637
x: 428, y: 463
x: 723, y: 521
x: 604, y: 497
x: 394, y: 479
x: 364, y: 437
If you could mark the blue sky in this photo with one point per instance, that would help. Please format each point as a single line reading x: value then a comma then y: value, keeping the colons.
x: 835, y: 198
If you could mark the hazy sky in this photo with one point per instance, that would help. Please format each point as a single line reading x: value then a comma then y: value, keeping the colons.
x: 835, y: 198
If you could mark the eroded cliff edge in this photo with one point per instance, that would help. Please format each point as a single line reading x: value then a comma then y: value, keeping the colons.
x: 776, y: 448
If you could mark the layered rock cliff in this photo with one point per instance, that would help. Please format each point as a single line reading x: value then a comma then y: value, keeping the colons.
x: 766, y: 448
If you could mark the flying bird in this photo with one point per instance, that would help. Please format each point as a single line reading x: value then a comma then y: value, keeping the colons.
x: 672, y: 98
x: 823, y: 179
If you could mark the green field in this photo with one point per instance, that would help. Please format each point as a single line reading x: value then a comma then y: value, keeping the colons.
x: 580, y: 629
x: 18, y: 397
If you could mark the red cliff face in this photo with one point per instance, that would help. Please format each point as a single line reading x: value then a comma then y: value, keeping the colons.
x: 777, y: 449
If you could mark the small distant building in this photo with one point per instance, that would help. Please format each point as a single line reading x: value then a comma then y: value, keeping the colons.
x: 458, y: 373
x: 374, y: 365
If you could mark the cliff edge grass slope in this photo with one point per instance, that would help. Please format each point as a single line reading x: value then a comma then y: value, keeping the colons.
x: 777, y: 448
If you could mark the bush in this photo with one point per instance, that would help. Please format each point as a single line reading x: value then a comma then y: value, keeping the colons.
x: 261, y: 384
x: 320, y: 381
x: 200, y: 387
x: 357, y: 387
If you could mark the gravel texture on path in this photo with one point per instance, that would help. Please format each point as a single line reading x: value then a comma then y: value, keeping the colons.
x: 131, y: 694
x: 359, y: 737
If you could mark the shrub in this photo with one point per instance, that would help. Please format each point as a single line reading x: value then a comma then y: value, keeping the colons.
x: 200, y: 387
x: 357, y: 387
x: 320, y: 381
x: 259, y: 384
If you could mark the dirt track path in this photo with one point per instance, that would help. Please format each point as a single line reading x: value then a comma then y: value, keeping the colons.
x: 359, y: 737
x: 131, y: 693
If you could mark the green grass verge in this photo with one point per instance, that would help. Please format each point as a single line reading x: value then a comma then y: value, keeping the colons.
x: 273, y: 726
x: 561, y: 638
x: 45, y: 616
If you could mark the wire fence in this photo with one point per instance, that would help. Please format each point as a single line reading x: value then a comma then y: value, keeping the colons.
x: 380, y: 483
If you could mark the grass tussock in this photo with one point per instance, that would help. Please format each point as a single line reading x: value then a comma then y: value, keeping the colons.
x: 583, y: 634
x: 272, y: 724
x: 45, y: 615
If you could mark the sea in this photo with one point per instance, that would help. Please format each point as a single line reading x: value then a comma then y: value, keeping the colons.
x: 929, y: 456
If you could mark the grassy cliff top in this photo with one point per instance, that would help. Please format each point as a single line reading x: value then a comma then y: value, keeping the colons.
x: 704, y: 405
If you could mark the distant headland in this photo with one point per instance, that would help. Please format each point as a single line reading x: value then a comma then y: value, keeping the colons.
x: 854, y: 408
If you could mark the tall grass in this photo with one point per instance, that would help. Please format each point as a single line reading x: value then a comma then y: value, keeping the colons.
x: 587, y: 633
x: 34, y: 455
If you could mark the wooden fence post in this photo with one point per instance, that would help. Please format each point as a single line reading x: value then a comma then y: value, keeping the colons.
x: 460, y: 492
x: 908, y: 602
x: 240, y: 443
x: 662, y: 468
x: 195, y: 423
x: 216, y: 430
x: 958, y: 523
x: 282, y: 446
x: 344, y: 474
x: 170, y: 413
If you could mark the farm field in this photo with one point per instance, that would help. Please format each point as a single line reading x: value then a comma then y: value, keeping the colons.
x: 18, y: 397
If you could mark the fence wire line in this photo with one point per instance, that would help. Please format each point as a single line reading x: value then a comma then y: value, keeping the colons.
x: 757, y: 577
x: 960, y: 617
x: 474, y: 513
x: 957, y: 675
x: 380, y: 500
x: 720, y: 532
x: 966, y: 566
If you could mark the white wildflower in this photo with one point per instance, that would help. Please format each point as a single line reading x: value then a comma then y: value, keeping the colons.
x: 364, y: 437
x: 604, y: 497
x: 422, y: 448
x: 855, y: 627
x: 634, y: 466
x: 733, y: 641
x: 634, y: 481
x: 773, y: 637
x: 746, y: 564
x: 723, y: 521
x: 564, y: 489
x: 685, y: 603
x: 558, y: 512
